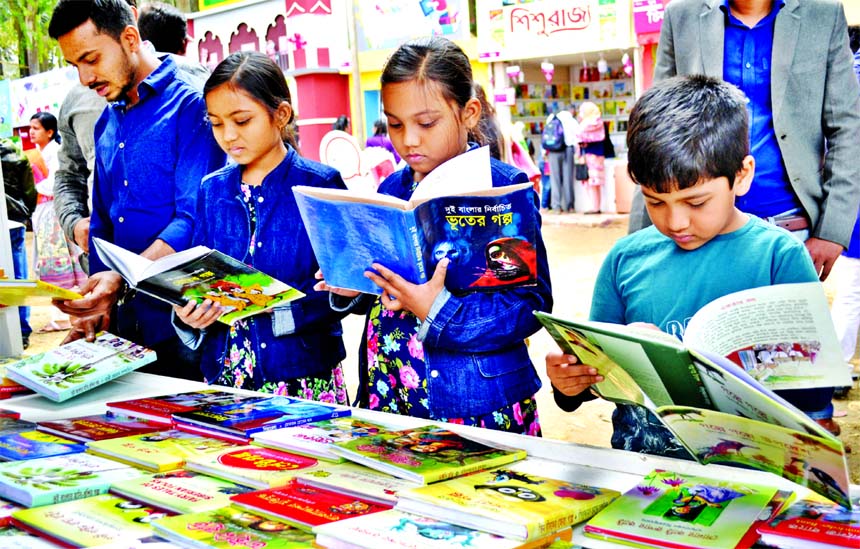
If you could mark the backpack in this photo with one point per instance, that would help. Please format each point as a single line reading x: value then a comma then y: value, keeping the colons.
x: 552, y: 138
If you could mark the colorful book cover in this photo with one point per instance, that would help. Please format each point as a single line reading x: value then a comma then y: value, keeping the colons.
x: 162, y: 451
x: 425, y: 454
x: 305, y: 506
x: 161, y: 408
x: 356, y: 480
x: 252, y: 466
x: 35, y: 444
x: 228, y: 528
x: 315, y: 439
x: 252, y: 414
x: 21, y: 293
x: 814, y: 523
x: 488, y: 236
x: 667, y: 509
x: 13, y: 538
x: 90, y: 522
x: 179, y: 491
x: 396, y: 529
x: 8, y: 389
x: 99, y: 427
x: 197, y: 274
x: 508, y: 503
x: 76, y: 367
x: 11, y: 425
x: 46, y: 481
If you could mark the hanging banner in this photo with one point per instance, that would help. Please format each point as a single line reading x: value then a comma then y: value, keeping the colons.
x: 647, y: 15
x: 41, y: 92
x: 383, y: 24
x: 510, y: 30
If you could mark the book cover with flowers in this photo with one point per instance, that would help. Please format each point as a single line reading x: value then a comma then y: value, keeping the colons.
x: 675, y: 511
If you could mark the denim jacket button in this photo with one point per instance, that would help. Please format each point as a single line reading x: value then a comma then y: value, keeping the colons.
x: 434, y: 373
x: 262, y: 345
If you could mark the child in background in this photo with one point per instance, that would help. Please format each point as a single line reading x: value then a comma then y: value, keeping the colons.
x: 591, y: 135
x: 688, y: 146
x: 426, y: 352
x: 247, y: 211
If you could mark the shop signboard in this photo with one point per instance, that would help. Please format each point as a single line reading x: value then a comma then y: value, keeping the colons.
x: 209, y: 4
x: 383, y: 24
x: 647, y: 16
x: 41, y: 92
x: 509, y: 29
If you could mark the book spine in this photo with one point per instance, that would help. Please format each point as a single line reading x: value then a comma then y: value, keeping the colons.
x: 69, y: 494
x: 19, y: 377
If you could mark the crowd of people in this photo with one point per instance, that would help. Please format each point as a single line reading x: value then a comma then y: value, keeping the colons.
x: 731, y: 152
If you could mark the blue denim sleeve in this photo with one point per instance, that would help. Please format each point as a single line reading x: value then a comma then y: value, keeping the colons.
x: 487, y: 321
x: 198, y: 154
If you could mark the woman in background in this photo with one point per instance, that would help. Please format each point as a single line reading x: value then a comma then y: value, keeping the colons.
x: 591, y: 135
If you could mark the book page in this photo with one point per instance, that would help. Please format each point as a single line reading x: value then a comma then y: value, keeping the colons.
x: 714, y: 437
x: 782, y: 335
x: 464, y: 174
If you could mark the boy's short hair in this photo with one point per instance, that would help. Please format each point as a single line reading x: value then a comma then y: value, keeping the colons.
x: 686, y: 129
x: 110, y: 17
x: 164, y: 26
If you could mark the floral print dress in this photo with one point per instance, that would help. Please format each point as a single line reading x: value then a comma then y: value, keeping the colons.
x: 239, y: 361
x: 397, y: 376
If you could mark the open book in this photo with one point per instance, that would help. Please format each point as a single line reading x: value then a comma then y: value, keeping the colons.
x: 719, y: 412
x: 200, y: 273
x: 488, y: 233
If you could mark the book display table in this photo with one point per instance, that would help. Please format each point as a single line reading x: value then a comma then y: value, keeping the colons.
x: 604, y: 467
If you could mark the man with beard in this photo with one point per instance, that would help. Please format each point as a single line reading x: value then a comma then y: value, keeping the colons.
x: 153, y: 147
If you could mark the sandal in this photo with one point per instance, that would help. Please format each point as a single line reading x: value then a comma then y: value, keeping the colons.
x: 54, y: 326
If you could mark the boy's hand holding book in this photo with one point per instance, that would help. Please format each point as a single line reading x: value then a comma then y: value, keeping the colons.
x: 569, y: 376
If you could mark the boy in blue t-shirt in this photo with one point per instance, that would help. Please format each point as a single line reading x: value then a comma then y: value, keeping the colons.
x: 688, y: 148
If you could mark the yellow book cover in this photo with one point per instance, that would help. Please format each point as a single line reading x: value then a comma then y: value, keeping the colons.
x: 508, y: 503
x: 17, y: 293
x: 162, y: 451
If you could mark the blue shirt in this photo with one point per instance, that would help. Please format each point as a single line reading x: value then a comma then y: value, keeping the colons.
x: 746, y: 64
x: 150, y: 160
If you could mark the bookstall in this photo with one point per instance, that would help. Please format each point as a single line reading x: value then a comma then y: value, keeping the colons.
x: 603, y: 467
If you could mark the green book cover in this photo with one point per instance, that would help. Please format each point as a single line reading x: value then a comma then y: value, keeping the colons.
x: 158, y: 452
x: 45, y: 481
x: 667, y: 509
x: 90, y: 522
x: 179, y: 491
x: 77, y: 367
x: 225, y: 528
x: 252, y: 466
x: 508, y: 503
x: 425, y: 454
x: 315, y: 439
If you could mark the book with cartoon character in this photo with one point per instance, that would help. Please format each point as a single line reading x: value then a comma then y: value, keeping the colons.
x: 668, y: 509
x: 76, y: 367
x: 200, y: 273
x: 89, y: 522
x: 708, y: 399
x: 505, y: 502
x: 488, y: 234
x: 226, y: 527
x: 425, y: 454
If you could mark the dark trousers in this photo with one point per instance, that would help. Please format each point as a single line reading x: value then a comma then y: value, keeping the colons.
x: 175, y: 360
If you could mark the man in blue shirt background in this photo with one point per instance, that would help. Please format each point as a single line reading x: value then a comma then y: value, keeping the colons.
x: 153, y: 147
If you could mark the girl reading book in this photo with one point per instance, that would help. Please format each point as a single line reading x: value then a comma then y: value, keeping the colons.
x: 247, y: 211
x: 428, y: 352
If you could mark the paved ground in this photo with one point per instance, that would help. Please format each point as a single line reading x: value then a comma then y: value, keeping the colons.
x: 576, y: 245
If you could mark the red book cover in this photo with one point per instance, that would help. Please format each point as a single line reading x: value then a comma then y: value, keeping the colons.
x: 161, y: 408
x: 305, y: 506
x: 99, y: 427
x: 815, y: 522
x: 9, y: 388
x: 12, y: 414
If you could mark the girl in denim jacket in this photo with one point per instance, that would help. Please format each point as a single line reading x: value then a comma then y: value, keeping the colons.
x: 427, y: 352
x: 247, y: 211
